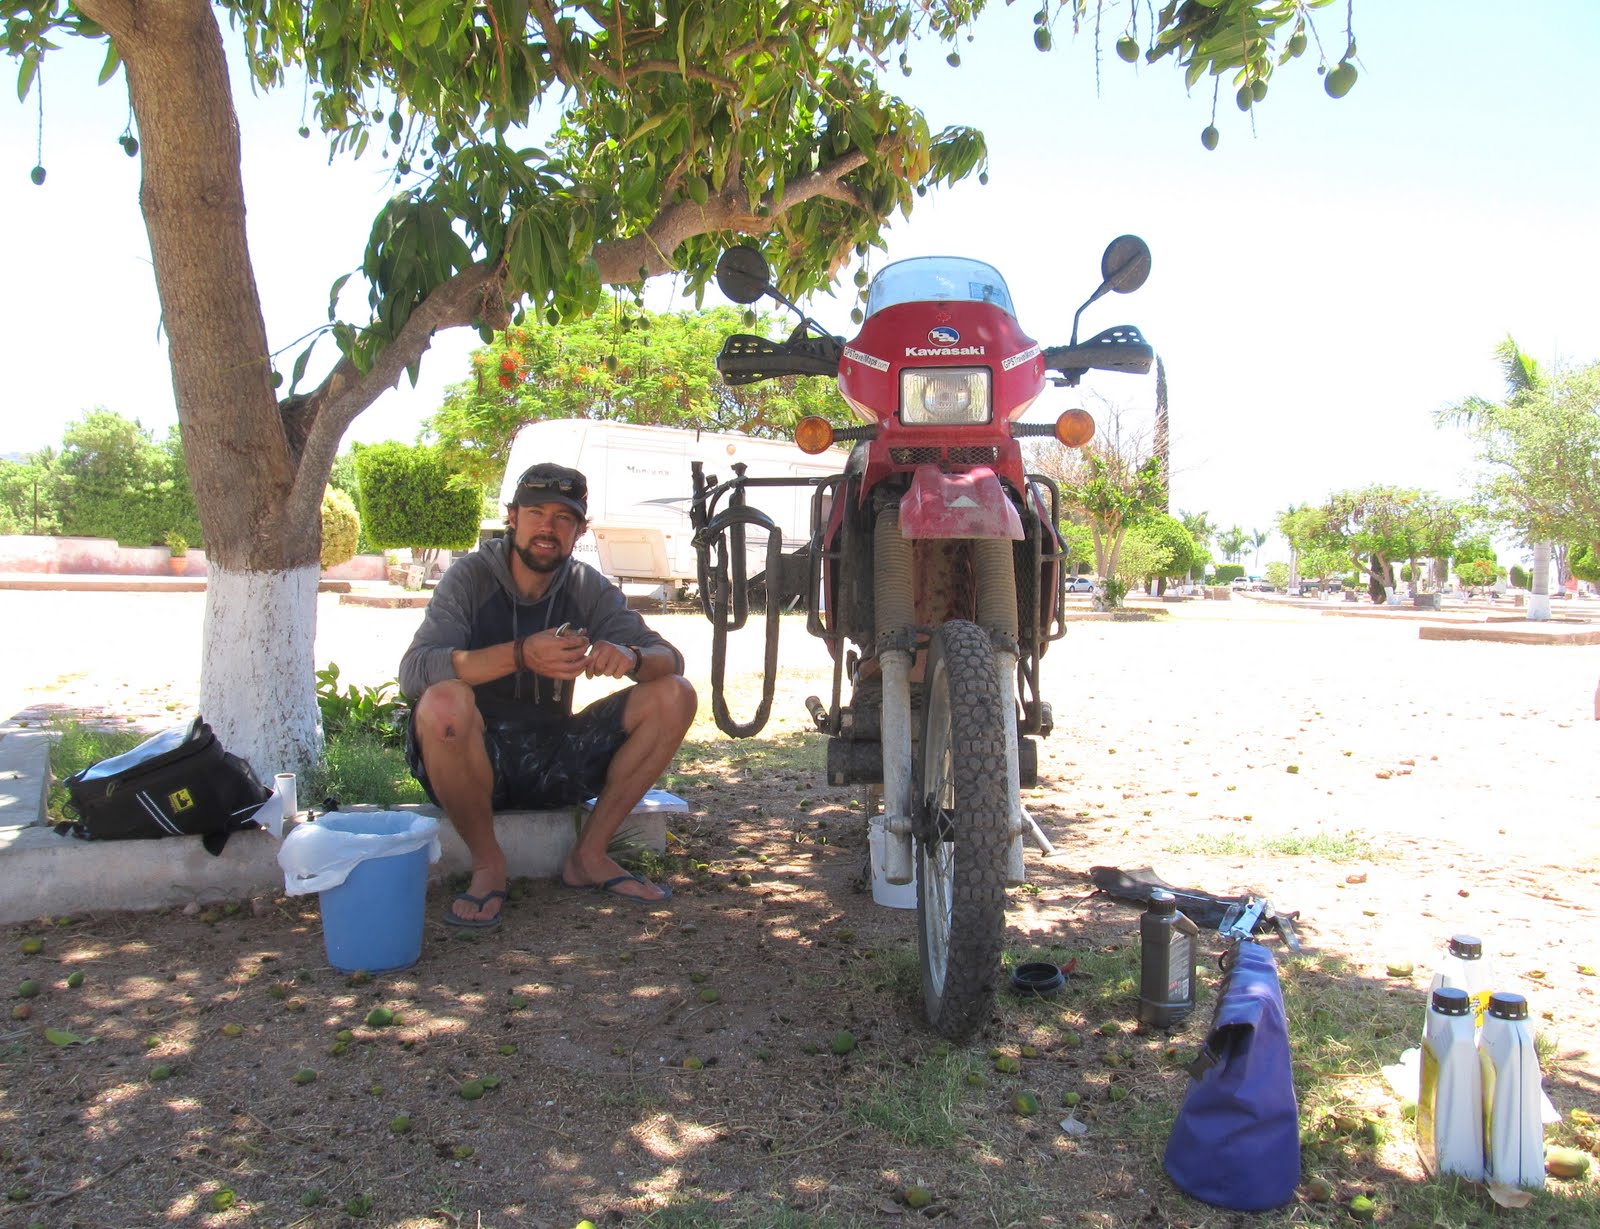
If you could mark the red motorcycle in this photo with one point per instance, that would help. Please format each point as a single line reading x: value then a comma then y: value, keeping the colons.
x: 936, y: 574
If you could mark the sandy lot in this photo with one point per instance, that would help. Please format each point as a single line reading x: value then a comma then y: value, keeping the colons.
x: 1393, y: 790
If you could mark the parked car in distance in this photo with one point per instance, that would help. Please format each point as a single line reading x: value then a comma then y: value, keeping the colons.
x: 1080, y: 584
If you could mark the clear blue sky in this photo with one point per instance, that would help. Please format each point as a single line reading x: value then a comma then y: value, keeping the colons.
x: 1321, y: 284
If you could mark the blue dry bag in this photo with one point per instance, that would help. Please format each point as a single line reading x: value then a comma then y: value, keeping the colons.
x: 1236, y: 1143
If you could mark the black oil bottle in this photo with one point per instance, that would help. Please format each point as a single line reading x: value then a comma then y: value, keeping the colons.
x: 1167, y: 942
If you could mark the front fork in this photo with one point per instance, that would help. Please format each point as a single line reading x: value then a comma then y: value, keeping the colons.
x: 895, y: 605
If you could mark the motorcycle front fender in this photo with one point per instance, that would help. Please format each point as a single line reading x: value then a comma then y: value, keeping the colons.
x: 973, y: 504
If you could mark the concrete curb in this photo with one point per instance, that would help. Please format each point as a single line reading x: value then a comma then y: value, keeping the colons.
x: 114, y: 583
x: 44, y: 874
x: 24, y: 777
x: 1525, y: 633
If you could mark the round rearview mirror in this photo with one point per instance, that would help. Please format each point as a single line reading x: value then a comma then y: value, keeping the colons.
x: 743, y: 275
x: 1125, y: 266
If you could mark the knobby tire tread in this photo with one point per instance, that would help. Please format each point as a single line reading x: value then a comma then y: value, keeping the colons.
x: 981, y: 830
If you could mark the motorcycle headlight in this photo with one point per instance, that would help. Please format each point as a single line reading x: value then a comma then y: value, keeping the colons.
x: 944, y: 396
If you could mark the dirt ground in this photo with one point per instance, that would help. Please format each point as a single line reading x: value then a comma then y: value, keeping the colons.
x: 1394, y: 791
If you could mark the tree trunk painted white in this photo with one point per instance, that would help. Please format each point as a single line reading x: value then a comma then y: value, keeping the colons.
x: 257, y: 687
x: 1539, y: 600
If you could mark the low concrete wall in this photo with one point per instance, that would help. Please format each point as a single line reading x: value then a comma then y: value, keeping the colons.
x: 29, y: 553
x: 43, y: 874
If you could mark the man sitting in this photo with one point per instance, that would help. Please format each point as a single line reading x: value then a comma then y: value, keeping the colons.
x: 490, y: 675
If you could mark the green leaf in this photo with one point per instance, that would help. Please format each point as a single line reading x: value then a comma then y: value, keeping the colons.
x: 112, y: 62
x: 26, y: 74
x: 650, y: 125
x: 333, y: 295
x: 300, y: 365
x: 59, y: 1037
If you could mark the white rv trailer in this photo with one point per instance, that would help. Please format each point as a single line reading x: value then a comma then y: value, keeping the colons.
x: 640, y: 489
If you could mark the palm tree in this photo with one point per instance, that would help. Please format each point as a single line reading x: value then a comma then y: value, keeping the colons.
x: 1231, y: 542
x: 1258, y: 539
x: 1523, y: 381
x: 1201, y: 530
x: 1162, y: 440
x: 1199, y: 526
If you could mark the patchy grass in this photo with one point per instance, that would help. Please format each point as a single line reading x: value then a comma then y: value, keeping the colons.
x: 360, y: 767
x: 356, y: 767
x: 74, y: 747
x: 1334, y: 846
x: 920, y: 1103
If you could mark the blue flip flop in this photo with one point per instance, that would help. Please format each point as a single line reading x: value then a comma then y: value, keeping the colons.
x: 609, y: 888
x: 478, y: 902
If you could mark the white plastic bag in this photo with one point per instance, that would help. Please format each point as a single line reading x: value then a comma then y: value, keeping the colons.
x: 319, y: 855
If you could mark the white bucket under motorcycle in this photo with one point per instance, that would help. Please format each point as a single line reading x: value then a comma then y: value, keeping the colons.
x: 890, y: 895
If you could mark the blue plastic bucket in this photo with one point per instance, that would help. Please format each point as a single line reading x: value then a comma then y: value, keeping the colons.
x: 373, y: 920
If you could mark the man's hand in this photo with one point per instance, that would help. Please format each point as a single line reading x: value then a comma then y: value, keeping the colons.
x: 608, y: 660
x: 557, y: 653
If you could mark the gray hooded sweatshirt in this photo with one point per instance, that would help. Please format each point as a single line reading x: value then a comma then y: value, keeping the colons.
x: 476, y: 605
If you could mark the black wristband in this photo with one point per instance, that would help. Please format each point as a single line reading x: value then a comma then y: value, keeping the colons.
x: 638, y: 661
x: 518, y: 665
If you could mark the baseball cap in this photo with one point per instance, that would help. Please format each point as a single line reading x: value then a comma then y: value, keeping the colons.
x: 548, y: 483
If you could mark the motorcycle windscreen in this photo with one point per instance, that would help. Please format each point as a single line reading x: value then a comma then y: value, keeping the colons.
x: 965, y: 505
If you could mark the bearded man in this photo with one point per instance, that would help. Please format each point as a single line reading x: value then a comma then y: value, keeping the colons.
x: 490, y: 672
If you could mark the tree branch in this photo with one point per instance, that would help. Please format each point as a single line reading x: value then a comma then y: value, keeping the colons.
x: 117, y: 18
x: 545, y: 15
x: 477, y: 293
x: 646, y: 255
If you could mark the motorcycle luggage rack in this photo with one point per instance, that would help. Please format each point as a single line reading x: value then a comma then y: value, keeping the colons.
x: 1044, y: 491
x: 720, y: 567
x: 816, y: 624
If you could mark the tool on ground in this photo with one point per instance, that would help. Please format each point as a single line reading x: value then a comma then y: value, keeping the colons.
x: 1204, y: 909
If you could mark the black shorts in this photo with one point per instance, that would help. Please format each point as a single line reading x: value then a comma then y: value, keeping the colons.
x: 538, y: 767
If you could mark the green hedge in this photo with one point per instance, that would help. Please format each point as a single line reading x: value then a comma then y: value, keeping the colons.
x: 409, y: 499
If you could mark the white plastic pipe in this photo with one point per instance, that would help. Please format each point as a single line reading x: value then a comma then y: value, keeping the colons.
x: 897, y: 765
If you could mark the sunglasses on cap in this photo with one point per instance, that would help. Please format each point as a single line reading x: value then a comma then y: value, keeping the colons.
x: 566, y: 486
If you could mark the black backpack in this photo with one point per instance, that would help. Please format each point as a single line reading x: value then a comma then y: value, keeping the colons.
x: 177, y: 783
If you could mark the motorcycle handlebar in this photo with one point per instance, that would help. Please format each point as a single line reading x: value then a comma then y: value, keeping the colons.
x: 1120, y: 349
x: 746, y: 358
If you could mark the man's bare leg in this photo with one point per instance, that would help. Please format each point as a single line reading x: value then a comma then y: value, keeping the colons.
x: 656, y: 718
x: 449, y: 731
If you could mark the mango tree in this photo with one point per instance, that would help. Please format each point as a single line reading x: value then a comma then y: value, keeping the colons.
x: 676, y: 129
x: 623, y: 364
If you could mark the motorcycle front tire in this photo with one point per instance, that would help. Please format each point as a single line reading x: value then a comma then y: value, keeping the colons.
x: 962, y: 830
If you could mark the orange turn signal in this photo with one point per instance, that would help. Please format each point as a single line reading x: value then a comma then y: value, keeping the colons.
x: 813, y: 434
x: 1075, y: 428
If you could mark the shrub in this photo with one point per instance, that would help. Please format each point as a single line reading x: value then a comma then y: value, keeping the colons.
x: 1228, y: 573
x: 378, y: 712
x: 341, y: 528
x: 409, y: 498
x: 1520, y: 578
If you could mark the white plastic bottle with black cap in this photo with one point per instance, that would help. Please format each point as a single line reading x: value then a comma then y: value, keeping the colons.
x: 1450, y: 1101
x: 1466, y: 967
x: 1512, y: 1101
